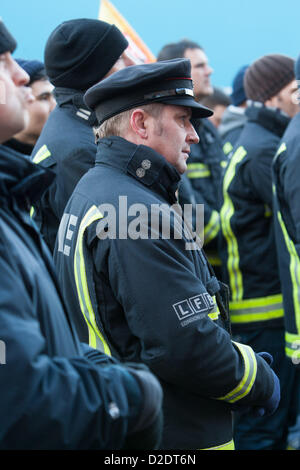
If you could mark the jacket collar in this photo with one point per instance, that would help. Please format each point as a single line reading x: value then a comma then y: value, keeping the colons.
x: 272, y: 119
x: 74, y: 99
x: 20, y: 178
x: 141, y: 162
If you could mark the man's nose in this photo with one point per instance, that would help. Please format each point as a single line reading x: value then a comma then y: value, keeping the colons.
x: 192, y: 136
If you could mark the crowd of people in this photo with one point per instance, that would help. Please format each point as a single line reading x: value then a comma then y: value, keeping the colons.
x: 116, y: 336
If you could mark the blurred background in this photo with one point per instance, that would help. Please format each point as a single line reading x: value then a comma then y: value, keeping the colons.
x: 232, y: 32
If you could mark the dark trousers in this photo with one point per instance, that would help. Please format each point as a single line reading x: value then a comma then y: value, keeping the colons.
x: 271, y: 432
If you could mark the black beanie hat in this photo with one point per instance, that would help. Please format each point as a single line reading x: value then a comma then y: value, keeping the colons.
x: 267, y: 76
x: 7, y: 42
x: 80, y: 52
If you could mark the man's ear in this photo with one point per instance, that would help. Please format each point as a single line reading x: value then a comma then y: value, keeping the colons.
x: 138, y: 123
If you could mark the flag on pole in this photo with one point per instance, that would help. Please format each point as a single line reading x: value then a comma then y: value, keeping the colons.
x: 137, y: 47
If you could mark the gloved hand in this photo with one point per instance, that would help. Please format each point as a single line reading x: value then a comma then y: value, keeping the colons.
x: 146, y: 432
x: 272, y: 404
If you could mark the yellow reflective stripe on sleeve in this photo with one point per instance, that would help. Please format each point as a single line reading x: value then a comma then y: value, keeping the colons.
x: 294, y: 271
x: 41, y: 154
x: 96, y: 339
x: 197, y: 170
x: 227, y: 147
x: 214, y: 314
x: 228, y: 446
x: 256, y: 309
x: 292, y: 347
x: 212, y: 228
x: 226, y: 213
x: 31, y: 211
x: 246, y: 384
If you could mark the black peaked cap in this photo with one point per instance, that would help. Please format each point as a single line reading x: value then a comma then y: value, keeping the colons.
x: 167, y: 82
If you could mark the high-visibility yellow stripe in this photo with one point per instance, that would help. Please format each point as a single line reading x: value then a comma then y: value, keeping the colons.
x: 256, y: 309
x: 212, y: 228
x: 82, y: 286
x: 246, y: 384
x: 214, y: 315
x: 227, y: 147
x: 197, y: 170
x: 226, y: 213
x: 41, y: 154
x: 228, y: 446
x: 294, y: 271
x: 292, y: 346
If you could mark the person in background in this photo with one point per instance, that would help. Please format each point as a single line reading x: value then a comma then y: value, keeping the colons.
x: 286, y: 192
x: 38, y: 109
x: 249, y: 250
x: 78, y: 54
x: 206, y: 163
x: 218, y: 102
x: 138, y: 292
x: 56, y: 393
x: 234, y: 117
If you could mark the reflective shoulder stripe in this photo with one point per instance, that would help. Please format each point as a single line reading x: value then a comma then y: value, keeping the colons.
x: 197, y: 170
x: 41, y: 154
x: 292, y: 347
x: 214, y: 314
x: 212, y: 228
x: 256, y: 309
x: 96, y: 339
x: 282, y: 148
x: 246, y: 384
x: 226, y: 213
x: 31, y: 211
x: 294, y: 267
x: 227, y: 147
x: 228, y: 446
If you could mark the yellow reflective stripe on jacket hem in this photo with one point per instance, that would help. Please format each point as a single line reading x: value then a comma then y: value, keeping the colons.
x: 294, y: 271
x: 292, y: 346
x: 246, y: 384
x: 228, y: 446
x: 96, y: 339
x: 212, y: 229
x: 257, y: 309
x: 226, y: 213
x: 41, y: 154
x: 197, y: 170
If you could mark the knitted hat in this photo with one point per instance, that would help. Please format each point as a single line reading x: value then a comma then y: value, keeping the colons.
x: 34, y: 68
x: 267, y: 76
x: 80, y: 52
x: 7, y: 41
x: 238, y: 95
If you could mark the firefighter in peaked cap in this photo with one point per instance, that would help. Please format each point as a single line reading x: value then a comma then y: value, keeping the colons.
x: 146, y: 297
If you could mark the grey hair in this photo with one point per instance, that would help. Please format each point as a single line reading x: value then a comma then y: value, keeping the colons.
x: 117, y: 125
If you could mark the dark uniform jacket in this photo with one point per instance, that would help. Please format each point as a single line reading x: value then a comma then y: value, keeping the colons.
x: 67, y: 146
x: 146, y: 298
x: 205, y: 168
x: 233, y: 121
x: 249, y: 252
x: 54, y: 392
x: 286, y: 170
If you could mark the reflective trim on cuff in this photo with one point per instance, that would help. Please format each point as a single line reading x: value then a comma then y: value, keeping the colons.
x: 228, y: 446
x: 248, y: 379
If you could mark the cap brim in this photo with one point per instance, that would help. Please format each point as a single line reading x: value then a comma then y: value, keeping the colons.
x: 198, y: 110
